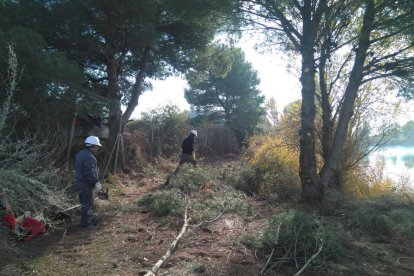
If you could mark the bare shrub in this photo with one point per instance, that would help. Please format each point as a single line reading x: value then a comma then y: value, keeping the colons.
x: 26, y: 164
x: 216, y: 140
x: 133, y: 151
x: 160, y: 131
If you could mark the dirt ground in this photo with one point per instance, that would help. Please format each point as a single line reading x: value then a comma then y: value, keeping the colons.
x: 130, y: 242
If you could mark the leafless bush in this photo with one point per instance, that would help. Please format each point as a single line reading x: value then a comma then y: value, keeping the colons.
x: 27, y: 174
x: 216, y: 140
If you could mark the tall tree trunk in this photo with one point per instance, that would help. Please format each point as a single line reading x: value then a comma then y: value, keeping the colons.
x: 137, y: 88
x: 325, y: 103
x: 351, y: 92
x: 117, y: 120
x: 115, y: 112
x: 311, y: 189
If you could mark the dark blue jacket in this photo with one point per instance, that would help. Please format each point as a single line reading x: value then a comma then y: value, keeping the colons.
x: 188, y: 144
x: 86, y: 172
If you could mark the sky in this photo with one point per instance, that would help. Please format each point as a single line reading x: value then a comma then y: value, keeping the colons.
x: 272, y: 69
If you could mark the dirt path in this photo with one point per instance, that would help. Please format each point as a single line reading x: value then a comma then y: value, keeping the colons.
x: 129, y: 242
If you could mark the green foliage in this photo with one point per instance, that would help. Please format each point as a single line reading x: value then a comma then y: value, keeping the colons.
x: 47, y: 87
x: 189, y: 180
x: 94, y: 56
x: 227, y: 95
x: 371, y: 222
x: 247, y: 181
x: 224, y: 199
x: 289, y: 124
x: 205, y: 197
x: 384, y: 217
x: 162, y: 203
x: 406, y: 88
x: 25, y: 193
x: 293, y: 237
x: 337, y: 204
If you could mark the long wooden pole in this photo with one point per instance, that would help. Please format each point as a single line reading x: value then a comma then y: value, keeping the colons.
x: 72, y: 132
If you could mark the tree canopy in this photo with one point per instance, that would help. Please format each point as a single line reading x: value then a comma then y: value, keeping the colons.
x: 102, y: 53
x: 343, y: 45
x: 226, y: 94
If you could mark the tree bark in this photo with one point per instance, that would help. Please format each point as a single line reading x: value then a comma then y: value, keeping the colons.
x: 114, y: 101
x: 137, y: 88
x: 117, y: 120
x: 351, y: 92
x: 312, y: 191
x: 325, y: 102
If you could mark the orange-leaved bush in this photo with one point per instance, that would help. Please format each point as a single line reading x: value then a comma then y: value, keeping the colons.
x: 276, y: 167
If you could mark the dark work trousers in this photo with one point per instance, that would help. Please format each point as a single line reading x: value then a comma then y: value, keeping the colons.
x: 86, y: 201
x: 187, y: 158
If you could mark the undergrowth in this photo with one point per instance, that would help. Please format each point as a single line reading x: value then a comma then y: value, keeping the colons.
x: 27, y: 175
x: 271, y: 171
x: 291, y: 238
x: 384, y: 217
x: 196, y: 189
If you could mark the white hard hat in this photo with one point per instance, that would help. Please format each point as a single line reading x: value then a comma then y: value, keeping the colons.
x: 93, y: 140
x: 194, y: 132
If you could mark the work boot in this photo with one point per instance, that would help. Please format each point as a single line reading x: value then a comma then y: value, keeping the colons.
x: 90, y: 224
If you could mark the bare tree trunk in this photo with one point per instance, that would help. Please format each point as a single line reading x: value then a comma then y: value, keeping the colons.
x: 351, y: 92
x: 117, y: 120
x: 325, y: 104
x: 114, y: 100
x: 312, y: 191
x: 137, y: 88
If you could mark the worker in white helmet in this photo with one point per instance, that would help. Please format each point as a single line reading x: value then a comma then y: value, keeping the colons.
x: 187, y: 155
x: 87, y: 178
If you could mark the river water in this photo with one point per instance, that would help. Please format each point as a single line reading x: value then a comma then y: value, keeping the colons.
x: 399, y: 163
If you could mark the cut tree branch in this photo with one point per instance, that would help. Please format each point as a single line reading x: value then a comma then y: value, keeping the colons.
x: 309, y: 261
x: 210, y: 221
x: 161, y: 261
x: 263, y: 272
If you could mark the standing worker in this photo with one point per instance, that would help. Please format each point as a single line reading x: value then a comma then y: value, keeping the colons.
x: 87, y: 178
x: 188, y: 155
